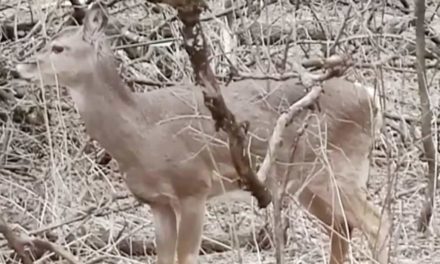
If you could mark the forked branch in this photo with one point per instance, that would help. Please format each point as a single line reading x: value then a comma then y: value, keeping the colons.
x: 19, y: 245
x: 336, y: 66
x: 14, y: 242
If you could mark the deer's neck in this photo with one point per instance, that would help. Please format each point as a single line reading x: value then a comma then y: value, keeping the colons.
x: 101, y: 93
x: 104, y: 105
x: 110, y: 116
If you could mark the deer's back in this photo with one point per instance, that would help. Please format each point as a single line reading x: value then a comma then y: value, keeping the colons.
x: 179, y: 146
x: 180, y: 117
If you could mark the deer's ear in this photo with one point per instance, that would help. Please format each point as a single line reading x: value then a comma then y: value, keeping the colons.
x: 95, y: 21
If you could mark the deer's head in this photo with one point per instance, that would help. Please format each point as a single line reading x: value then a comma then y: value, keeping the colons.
x: 72, y: 55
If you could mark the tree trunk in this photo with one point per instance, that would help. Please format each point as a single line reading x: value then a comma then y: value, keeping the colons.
x: 426, y: 116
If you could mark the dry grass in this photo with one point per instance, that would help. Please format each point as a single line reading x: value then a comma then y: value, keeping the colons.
x: 54, y: 183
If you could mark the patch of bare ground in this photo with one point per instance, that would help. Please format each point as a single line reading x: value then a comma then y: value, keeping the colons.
x: 57, y: 184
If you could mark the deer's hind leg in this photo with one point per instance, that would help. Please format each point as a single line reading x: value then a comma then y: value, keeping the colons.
x: 339, y: 231
x: 367, y: 218
x: 340, y: 236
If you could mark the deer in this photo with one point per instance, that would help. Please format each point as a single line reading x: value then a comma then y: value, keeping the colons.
x: 174, y: 160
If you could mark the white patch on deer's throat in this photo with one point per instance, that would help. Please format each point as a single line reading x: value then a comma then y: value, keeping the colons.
x: 78, y: 99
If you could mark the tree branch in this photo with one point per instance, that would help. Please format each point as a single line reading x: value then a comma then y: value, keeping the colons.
x: 426, y: 117
x: 195, y: 45
x: 78, y: 14
x: 14, y: 242
x: 40, y: 246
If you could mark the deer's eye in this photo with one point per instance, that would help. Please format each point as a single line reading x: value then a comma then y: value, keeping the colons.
x: 57, y: 49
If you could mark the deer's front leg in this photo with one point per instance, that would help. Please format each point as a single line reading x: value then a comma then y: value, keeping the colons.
x: 165, y: 223
x: 192, y: 212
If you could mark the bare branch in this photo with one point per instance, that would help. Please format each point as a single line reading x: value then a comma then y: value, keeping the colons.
x: 275, y: 141
x: 426, y: 117
x: 52, y: 247
x: 14, y: 242
x: 195, y: 45
x: 78, y: 14
x: 341, y: 30
x: 19, y: 245
x: 286, y: 118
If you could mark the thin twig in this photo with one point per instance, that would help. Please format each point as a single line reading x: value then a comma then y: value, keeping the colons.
x: 341, y: 30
